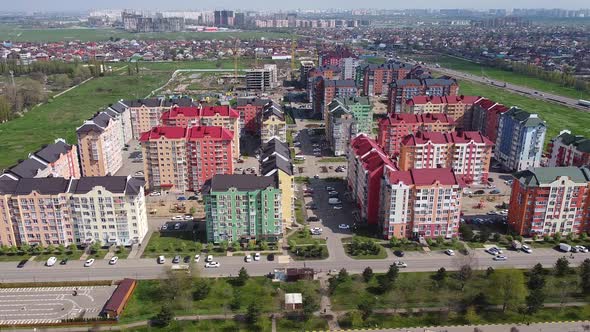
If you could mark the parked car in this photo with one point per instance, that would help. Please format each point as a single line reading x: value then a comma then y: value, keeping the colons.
x: 197, y: 258
x: 399, y: 253
x: 209, y: 258
x: 330, y: 189
x: 89, y: 262
x: 270, y: 257
x: 164, y: 227
x: 212, y: 265
x: 248, y: 258
x: 176, y: 259
x: 400, y: 264
x: 565, y: 247
x: 177, y: 226
x: 337, y: 207
x: 51, y: 261
x: 113, y: 260
x: 313, y: 218
x: 177, y: 218
x: 181, y: 198
x: 161, y: 259
x: 257, y: 256
x: 316, y: 231
x: 343, y: 226
x: 495, y: 192
x: 188, y: 217
x: 450, y: 252
x: 333, y: 192
x: 64, y: 261
x: 526, y: 249
x: 581, y: 249
x: 186, y: 259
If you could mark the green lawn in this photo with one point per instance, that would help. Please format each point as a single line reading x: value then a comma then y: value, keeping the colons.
x: 381, y: 255
x: 183, y: 245
x: 507, y: 76
x: 558, y: 117
x: 13, y: 257
x: 304, y: 237
x: 332, y: 160
x: 15, y: 33
x: 206, y: 325
x: 69, y: 255
x: 313, y: 324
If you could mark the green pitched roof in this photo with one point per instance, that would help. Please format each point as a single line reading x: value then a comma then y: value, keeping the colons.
x: 544, y: 175
x: 530, y: 120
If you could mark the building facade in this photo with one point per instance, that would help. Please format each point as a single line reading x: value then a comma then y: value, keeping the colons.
x: 485, y: 117
x: 521, y: 136
x: 243, y: 208
x: 457, y: 107
x: 100, y: 145
x: 145, y: 113
x: 250, y: 109
x: 273, y: 123
x: 550, y: 200
x: 377, y: 77
x: 569, y: 150
x: 400, y: 91
x: 347, y: 117
x: 327, y: 90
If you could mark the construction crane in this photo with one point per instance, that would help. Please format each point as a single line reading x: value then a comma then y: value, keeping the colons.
x: 293, y: 46
x: 235, y: 51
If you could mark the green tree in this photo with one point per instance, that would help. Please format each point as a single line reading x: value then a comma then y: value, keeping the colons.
x: 440, y: 275
x: 536, y: 277
x: 392, y: 273
x: 562, y: 267
x: 61, y: 81
x: 464, y: 275
x: 471, y: 316
x: 368, y: 274
x: 466, y: 232
x: 235, y: 246
x: 198, y: 247
x: 164, y: 317
x: 264, y: 246
x: 366, y: 306
x: 210, y: 247
x: 310, y: 304
x: 557, y: 237
x: 192, y: 211
x: 585, y: 276
x: 253, y: 312
x: 484, y: 235
x: 5, y: 110
x: 223, y: 246
x: 176, y: 287
x: 73, y: 247
x: 201, y: 289
x: 242, y: 277
x: 534, y: 301
x: 507, y: 288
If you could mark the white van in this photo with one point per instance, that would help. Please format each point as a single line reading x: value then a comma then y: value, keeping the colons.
x: 161, y: 260
x: 51, y: 261
x: 334, y: 201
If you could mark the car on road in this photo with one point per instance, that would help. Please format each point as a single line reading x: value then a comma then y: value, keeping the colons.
x: 581, y: 249
x: 257, y: 256
x: 138, y: 173
x: 188, y: 217
x: 312, y: 206
x: 238, y: 169
x: 89, y: 262
x: 155, y: 193
x: 177, y: 218
x: 500, y: 258
x: 209, y: 258
x: 313, y: 218
x: 450, y: 252
x: 330, y: 189
x: 161, y: 259
x: 22, y: 263
x: 526, y: 249
x: 400, y: 264
x: 64, y: 261
x: 316, y: 231
x: 176, y: 259
x: 316, y: 176
x: 333, y: 192
x: 493, y: 251
x: 508, y: 182
x: 248, y: 258
x: 337, y: 207
x: 495, y: 192
x: 334, y: 201
x: 212, y: 264
x: 186, y: 259
x: 113, y: 260
x: 197, y: 258
x: 399, y: 253
x: 51, y: 261
x: 343, y: 226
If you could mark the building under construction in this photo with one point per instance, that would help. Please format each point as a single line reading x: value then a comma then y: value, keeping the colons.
x: 263, y: 79
x: 134, y: 22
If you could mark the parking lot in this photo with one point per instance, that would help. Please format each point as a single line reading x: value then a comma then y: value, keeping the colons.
x: 51, y: 304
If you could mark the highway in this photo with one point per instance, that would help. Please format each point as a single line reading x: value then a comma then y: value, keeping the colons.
x: 149, y: 269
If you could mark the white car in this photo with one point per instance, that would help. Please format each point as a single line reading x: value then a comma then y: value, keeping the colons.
x: 337, y: 207
x: 330, y: 189
x: 450, y: 252
x: 155, y: 193
x: 89, y: 262
x: 248, y: 258
x: 316, y: 230
x: 257, y: 256
x: 51, y: 261
x: 161, y: 259
x: 114, y: 260
x: 333, y: 192
x: 582, y: 249
x: 212, y: 265
x: 197, y: 258
x: 343, y: 226
x: 400, y: 264
x: 164, y: 227
x: 177, y: 218
x: 500, y: 258
x: 527, y: 249
x: 209, y: 259
x: 188, y: 217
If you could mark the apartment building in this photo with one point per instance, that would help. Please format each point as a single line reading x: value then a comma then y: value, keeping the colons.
x: 327, y: 90
x: 395, y: 127
x: 366, y: 163
x: 54, y: 160
x: 263, y: 79
x: 274, y: 147
x: 249, y: 109
x: 457, y: 107
x: 521, y: 136
x: 57, y: 211
x: 182, y: 159
x: 377, y: 77
x: 467, y: 153
x: 326, y: 72
x: 100, y: 145
x: 145, y: 113
x: 212, y: 116
x: 485, y: 117
x: 550, y: 200
x: 347, y: 117
x: 304, y: 68
x: 401, y: 90
x: 343, y: 58
x: 569, y: 150
x: 281, y: 169
x: 243, y: 208
x: 420, y: 203
x: 122, y: 113
x: 273, y: 123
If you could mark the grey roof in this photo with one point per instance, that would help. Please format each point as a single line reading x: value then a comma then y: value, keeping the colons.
x: 97, y: 123
x: 387, y: 65
x: 45, y: 186
x: 54, y: 186
x: 526, y: 118
x: 182, y: 102
x: 273, y: 163
x: 581, y: 143
x: 439, y: 81
x: 242, y: 182
x: 272, y: 109
x: 52, y: 152
x: 134, y: 186
x: 274, y: 145
x: 544, y: 175
x: 406, y: 81
x: 28, y: 168
x: 119, y: 106
x: 255, y: 101
x: 114, y: 184
x: 340, y: 83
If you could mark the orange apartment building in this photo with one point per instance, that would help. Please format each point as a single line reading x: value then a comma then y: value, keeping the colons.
x: 467, y: 153
x: 457, y: 107
x: 395, y: 127
x: 145, y: 113
x: 100, y: 143
x: 181, y: 159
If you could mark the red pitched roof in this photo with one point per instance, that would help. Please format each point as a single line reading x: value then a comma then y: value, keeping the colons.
x: 415, y: 118
x: 210, y: 132
x: 221, y: 110
x: 187, y: 112
x: 168, y: 132
x: 370, y: 153
x: 425, y: 177
x: 456, y: 137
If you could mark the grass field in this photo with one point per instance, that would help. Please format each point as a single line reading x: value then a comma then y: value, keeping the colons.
x: 506, y: 76
x: 558, y: 117
x: 15, y: 33
x: 170, y: 246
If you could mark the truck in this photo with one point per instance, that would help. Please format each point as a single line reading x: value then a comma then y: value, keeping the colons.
x: 565, y: 247
x: 516, y: 245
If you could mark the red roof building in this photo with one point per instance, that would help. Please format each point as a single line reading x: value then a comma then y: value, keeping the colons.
x: 485, y: 117
x: 457, y: 107
x: 115, y: 305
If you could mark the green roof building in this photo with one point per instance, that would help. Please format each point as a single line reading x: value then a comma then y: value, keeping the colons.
x: 348, y: 117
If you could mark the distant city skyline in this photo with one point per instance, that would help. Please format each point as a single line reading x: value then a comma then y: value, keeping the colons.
x: 76, y: 5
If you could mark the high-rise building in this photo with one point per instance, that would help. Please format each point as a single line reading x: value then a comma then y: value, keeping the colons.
x: 100, y: 145
x: 347, y: 117
x: 275, y: 163
x: 376, y: 77
x: 569, y: 150
x: 264, y: 79
x: 457, y: 107
x: 224, y: 18
x: 273, y: 123
x: 401, y: 90
x: 324, y: 91
x: 250, y: 109
x: 145, y: 113
x: 485, y: 117
x: 243, y: 208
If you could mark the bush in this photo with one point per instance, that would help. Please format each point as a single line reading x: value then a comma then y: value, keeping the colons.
x: 361, y: 247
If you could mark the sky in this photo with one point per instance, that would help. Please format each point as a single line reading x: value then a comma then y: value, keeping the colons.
x: 81, y: 5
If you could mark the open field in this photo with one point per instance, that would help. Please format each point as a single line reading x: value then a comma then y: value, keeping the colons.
x: 505, y: 76
x: 15, y: 33
x: 558, y: 117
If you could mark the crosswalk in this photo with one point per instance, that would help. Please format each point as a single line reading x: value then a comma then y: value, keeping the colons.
x: 45, y: 289
x: 29, y: 322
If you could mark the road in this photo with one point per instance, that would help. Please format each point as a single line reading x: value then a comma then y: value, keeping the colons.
x: 147, y: 268
x: 531, y: 93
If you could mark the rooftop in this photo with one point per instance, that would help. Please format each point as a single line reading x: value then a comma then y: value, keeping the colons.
x: 242, y: 182
x: 538, y: 176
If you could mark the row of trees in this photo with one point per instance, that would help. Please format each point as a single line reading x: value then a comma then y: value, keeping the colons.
x: 32, y: 250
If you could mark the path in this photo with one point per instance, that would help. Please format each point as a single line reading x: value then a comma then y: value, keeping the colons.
x: 326, y: 304
x: 176, y: 72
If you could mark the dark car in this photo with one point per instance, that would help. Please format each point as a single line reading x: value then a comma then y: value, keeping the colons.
x: 22, y: 263
x: 176, y: 259
x: 313, y: 218
x: 399, y: 253
x: 270, y: 257
x: 63, y: 261
x: 187, y: 259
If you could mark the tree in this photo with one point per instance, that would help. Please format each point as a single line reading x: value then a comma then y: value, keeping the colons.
x: 557, y: 237
x: 73, y: 247
x: 209, y: 247
x: 5, y: 110
x: 164, y: 317
x: 62, y: 81
x: 368, y: 274
x: 253, y: 312
x: 484, y: 235
x: 366, y: 306
x: 534, y: 301
x: 201, y: 289
x: 585, y: 276
x: 198, y: 247
x: 440, y: 275
x: 562, y: 266
x: 464, y: 275
x: 264, y: 245
x: 471, y: 316
x: 176, y: 288
x: 242, y: 277
x: 223, y: 246
x: 310, y: 304
x: 235, y: 246
x: 536, y: 277
x: 392, y: 272
x: 507, y: 288
x: 192, y: 210
x: 466, y: 232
